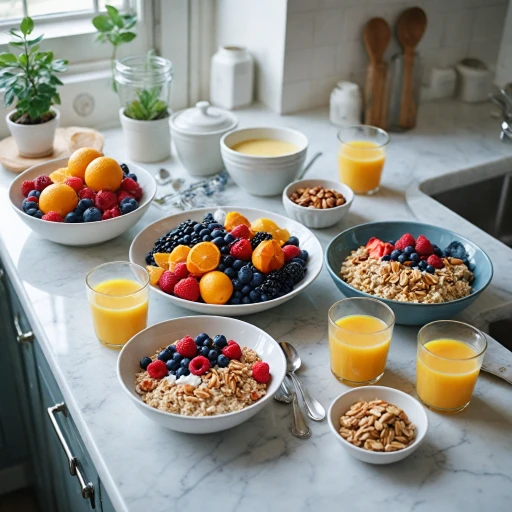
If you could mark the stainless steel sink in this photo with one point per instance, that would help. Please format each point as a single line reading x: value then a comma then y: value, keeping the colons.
x: 486, y: 204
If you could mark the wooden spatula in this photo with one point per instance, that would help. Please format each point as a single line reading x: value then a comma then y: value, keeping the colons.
x: 410, y: 29
x: 377, y: 35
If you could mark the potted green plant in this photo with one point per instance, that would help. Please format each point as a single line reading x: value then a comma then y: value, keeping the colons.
x: 143, y: 85
x: 30, y: 78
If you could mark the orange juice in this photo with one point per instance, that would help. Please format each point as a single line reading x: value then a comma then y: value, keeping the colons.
x: 119, y: 310
x: 359, y: 349
x: 360, y: 164
x: 446, y: 373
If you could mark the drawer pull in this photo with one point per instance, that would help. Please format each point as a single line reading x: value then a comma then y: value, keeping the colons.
x: 22, y: 337
x: 74, y: 470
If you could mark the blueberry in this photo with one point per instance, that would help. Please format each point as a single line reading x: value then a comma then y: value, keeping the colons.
x: 245, y: 274
x: 220, y: 341
x: 402, y: 258
x: 228, y: 261
x: 414, y: 264
x: 198, y: 228
x: 217, y: 233
x: 204, y: 351
x: 39, y: 215
x: 128, y: 205
x: 394, y: 255
x: 422, y: 264
x: 177, y: 357
x: 257, y: 279
x: 132, y: 176
x: 72, y: 218
x: 207, y: 238
x: 83, y: 204
x: 93, y: 214
x: 255, y: 296
x: 304, y: 255
x: 219, y: 241
x: 172, y: 365
x: 182, y: 372
x: 125, y: 168
x: 386, y: 257
x: 224, y: 250
x: 32, y: 211
x: 187, y: 239
x: 213, y: 354
x: 237, y: 285
x: 145, y: 362
x: 238, y: 264
x: 235, y: 301
x: 165, y: 355
x: 392, y: 242
x: 293, y: 240
x: 230, y: 273
x: 214, y: 225
x: 222, y: 361
x: 185, y: 362
x: 229, y: 238
x: 414, y: 257
x: 264, y: 297
x: 34, y: 193
x: 181, y: 241
x: 246, y: 300
x: 208, y: 342
x: 171, y: 348
x: 238, y: 294
x: 221, y: 267
x: 200, y: 338
x: 204, y: 232
x: 246, y: 290
x: 408, y: 250
x: 430, y: 269
x: 27, y: 204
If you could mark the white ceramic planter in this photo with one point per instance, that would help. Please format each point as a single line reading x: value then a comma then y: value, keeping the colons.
x: 34, y: 140
x: 146, y: 141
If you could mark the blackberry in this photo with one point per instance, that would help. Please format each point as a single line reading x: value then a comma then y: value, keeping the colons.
x: 270, y: 288
x: 259, y: 237
x: 183, y: 234
x: 295, y: 271
x: 150, y: 260
x: 277, y: 275
x: 208, y: 218
x: 125, y: 168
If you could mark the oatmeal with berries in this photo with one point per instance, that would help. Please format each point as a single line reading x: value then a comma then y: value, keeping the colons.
x: 202, y: 377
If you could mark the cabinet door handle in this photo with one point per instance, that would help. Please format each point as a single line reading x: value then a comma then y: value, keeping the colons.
x: 22, y: 337
x: 74, y: 470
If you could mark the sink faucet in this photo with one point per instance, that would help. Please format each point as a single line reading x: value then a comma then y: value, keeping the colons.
x: 503, y: 99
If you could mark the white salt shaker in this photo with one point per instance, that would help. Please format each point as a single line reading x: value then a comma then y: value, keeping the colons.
x: 346, y: 104
x: 231, y: 77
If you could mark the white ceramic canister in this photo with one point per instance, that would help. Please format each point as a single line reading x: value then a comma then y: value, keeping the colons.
x: 231, y: 77
x: 196, y: 133
x: 474, y: 81
x: 346, y: 104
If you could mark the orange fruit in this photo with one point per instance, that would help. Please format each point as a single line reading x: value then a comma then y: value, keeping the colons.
x: 58, y: 198
x: 234, y: 219
x: 60, y: 175
x: 80, y: 159
x: 279, y: 234
x: 103, y: 173
x: 178, y: 255
x: 162, y: 260
x: 268, y: 256
x: 203, y: 258
x: 215, y: 287
x: 154, y: 273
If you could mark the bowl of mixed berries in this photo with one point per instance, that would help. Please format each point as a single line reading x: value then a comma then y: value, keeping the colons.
x: 234, y: 261
x: 85, y: 199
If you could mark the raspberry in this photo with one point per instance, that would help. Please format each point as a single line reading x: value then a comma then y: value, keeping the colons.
x: 181, y: 271
x: 122, y: 194
x: 405, y: 241
x: 435, y: 261
x: 240, y: 231
x: 233, y: 350
x: 186, y: 347
x: 87, y: 193
x: 187, y: 289
x: 41, y: 182
x: 261, y: 372
x: 52, y: 217
x: 110, y: 214
x: 423, y: 246
x: 27, y: 186
x: 290, y: 252
x: 75, y: 183
x: 132, y: 187
x: 105, y: 200
x: 157, y: 369
x: 33, y: 199
x: 168, y: 281
x: 241, y: 249
x: 199, y: 365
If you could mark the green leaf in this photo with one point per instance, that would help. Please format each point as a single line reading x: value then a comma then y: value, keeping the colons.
x: 129, y: 21
x: 27, y: 25
x: 8, y: 58
x: 9, y: 97
x: 54, y: 80
x: 15, y: 33
x: 35, y: 41
x: 126, y: 37
x: 102, y: 23
x: 114, y: 16
x: 17, y: 44
x: 23, y: 59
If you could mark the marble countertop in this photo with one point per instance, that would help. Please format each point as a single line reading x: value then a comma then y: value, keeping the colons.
x: 464, y: 463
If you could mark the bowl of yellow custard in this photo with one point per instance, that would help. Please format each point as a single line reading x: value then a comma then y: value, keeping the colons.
x: 264, y: 160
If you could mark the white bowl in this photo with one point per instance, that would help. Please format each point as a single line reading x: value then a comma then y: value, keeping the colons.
x: 263, y: 175
x: 311, y: 217
x: 410, y: 405
x: 146, y: 239
x: 149, y: 340
x: 86, y: 233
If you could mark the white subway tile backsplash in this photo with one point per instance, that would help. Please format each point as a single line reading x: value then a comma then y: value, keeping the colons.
x: 328, y: 27
x: 488, y: 22
x: 324, y: 62
x: 299, y: 31
x: 298, y: 65
x: 457, y: 27
x: 303, y: 5
x: 354, y: 19
x: 296, y: 96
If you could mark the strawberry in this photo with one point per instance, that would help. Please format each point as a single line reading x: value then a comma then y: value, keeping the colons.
x: 41, y: 182
x: 132, y: 187
x: 435, y: 261
x: 423, y: 246
x: 290, y: 252
x: 261, y: 372
x: 232, y: 350
x: 27, y: 186
x: 75, y: 183
x: 110, y: 214
x: 186, y: 347
x: 405, y: 241
x: 105, y: 200
x: 168, y: 281
x: 157, y: 369
x: 199, y: 365
x: 373, y: 243
x: 87, y: 193
x: 241, y: 250
x: 187, y: 289
x: 121, y: 195
x: 240, y: 231
x: 181, y: 271
x: 52, y: 217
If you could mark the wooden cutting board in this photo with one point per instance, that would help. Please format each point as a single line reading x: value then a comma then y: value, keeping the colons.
x: 67, y: 140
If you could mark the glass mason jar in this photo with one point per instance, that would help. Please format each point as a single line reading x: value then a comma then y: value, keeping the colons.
x: 150, y: 73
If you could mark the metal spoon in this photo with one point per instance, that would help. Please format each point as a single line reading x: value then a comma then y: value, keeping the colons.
x: 313, y: 408
x: 299, y: 427
x: 284, y: 393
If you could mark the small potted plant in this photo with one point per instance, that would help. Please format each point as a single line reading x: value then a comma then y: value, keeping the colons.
x: 30, y: 78
x: 143, y: 85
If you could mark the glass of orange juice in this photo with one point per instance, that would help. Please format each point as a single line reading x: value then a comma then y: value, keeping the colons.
x: 449, y: 358
x: 360, y: 332
x: 118, y: 294
x: 361, y: 157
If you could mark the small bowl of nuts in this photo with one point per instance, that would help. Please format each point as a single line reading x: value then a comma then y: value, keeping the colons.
x: 378, y: 425
x: 317, y: 203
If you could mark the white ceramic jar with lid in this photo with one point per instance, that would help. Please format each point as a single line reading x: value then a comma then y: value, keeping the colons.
x: 231, y: 77
x: 196, y: 133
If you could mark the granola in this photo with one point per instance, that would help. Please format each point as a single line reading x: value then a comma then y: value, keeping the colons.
x: 396, y: 281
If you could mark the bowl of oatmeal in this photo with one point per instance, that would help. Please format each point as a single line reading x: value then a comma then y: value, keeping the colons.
x: 201, y: 393
x: 416, y: 295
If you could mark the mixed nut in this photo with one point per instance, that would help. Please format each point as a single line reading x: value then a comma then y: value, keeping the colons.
x: 318, y: 197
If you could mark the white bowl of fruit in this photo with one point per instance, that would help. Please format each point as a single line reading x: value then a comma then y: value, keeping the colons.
x: 230, y: 262
x: 84, y: 200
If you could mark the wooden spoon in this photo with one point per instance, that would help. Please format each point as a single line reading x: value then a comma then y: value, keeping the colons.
x: 410, y: 29
x: 377, y: 35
